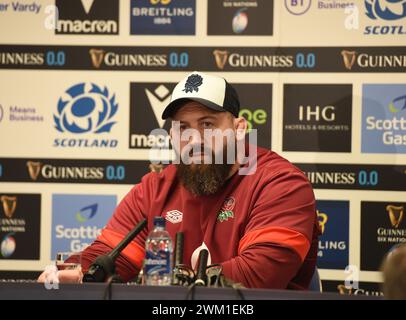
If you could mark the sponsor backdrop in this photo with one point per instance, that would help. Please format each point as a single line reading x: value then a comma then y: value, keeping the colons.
x: 83, y: 83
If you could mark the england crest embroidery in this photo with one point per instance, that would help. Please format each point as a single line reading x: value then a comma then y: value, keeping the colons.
x: 193, y: 83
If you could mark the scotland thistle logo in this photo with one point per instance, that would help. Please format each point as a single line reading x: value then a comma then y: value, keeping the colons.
x: 193, y: 83
x: 85, y: 108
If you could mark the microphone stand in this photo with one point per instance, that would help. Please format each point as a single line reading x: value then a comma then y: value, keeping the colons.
x: 104, y: 266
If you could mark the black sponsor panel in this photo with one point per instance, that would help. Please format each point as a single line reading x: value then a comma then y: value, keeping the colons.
x: 20, y: 275
x: 258, y: 59
x: 315, y: 115
x: 147, y: 102
x: 383, y: 227
x: 256, y: 108
x: 355, y: 176
x: 353, y: 288
x: 87, y: 17
x: 74, y: 171
x: 322, y: 176
x: 20, y: 226
x: 236, y: 17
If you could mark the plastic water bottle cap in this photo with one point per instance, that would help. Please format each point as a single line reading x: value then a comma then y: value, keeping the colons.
x: 159, y: 221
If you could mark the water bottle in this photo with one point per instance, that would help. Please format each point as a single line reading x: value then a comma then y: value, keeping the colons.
x: 158, y: 255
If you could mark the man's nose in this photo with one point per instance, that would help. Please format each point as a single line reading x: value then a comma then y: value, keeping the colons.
x: 195, y: 137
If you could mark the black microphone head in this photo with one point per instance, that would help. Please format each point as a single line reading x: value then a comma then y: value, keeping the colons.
x: 100, y: 269
x: 201, y: 278
x: 179, y: 240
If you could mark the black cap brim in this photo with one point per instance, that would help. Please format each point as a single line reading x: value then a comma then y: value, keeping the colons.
x: 174, y: 106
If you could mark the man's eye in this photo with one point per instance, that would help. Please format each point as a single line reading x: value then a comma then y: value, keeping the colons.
x: 207, y: 124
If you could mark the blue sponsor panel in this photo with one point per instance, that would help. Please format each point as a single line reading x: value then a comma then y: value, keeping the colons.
x: 78, y: 219
x: 163, y: 17
x: 333, y: 218
x: 384, y: 118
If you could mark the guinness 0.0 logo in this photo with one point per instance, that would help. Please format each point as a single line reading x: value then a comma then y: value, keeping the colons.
x: 395, y: 215
x: 34, y: 168
x: 221, y: 57
x: 349, y: 58
x: 343, y: 290
x: 9, y: 205
x: 97, y: 56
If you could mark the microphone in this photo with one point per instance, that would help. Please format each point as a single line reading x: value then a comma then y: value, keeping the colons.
x: 104, y: 266
x: 178, y: 257
x: 179, y: 239
x: 201, y: 277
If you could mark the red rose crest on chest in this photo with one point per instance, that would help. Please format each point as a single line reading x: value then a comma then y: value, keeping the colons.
x: 226, y: 210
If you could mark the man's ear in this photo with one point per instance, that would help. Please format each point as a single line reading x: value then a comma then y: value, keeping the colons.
x: 170, y: 133
x: 240, y: 126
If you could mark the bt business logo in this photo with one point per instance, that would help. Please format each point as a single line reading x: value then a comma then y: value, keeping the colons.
x: 389, y: 11
x: 77, y: 220
x: 384, y: 118
x: 85, y: 108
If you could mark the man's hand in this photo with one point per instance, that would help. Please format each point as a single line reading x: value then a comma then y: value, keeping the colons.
x: 52, y: 275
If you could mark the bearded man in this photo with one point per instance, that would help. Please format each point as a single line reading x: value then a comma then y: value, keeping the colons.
x: 250, y: 208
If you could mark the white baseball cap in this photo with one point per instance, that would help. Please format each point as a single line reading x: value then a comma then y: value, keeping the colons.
x: 213, y: 92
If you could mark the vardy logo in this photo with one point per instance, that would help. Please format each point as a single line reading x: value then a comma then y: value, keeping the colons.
x: 385, y: 9
x: 397, y: 104
x: 86, y: 213
x: 86, y: 108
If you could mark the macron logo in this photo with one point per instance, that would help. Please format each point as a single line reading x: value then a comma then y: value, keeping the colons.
x: 159, y: 99
x: 87, y: 5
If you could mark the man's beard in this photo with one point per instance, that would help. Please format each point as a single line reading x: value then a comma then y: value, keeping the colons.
x: 204, y: 179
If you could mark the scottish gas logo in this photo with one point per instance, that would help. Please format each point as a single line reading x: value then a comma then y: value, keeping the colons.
x: 86, y: 213
x: 77, y: 220
x: 384, y: 118
x: 85, y: 110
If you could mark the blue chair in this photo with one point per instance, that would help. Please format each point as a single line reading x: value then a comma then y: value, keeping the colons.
x: 315, y: 282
